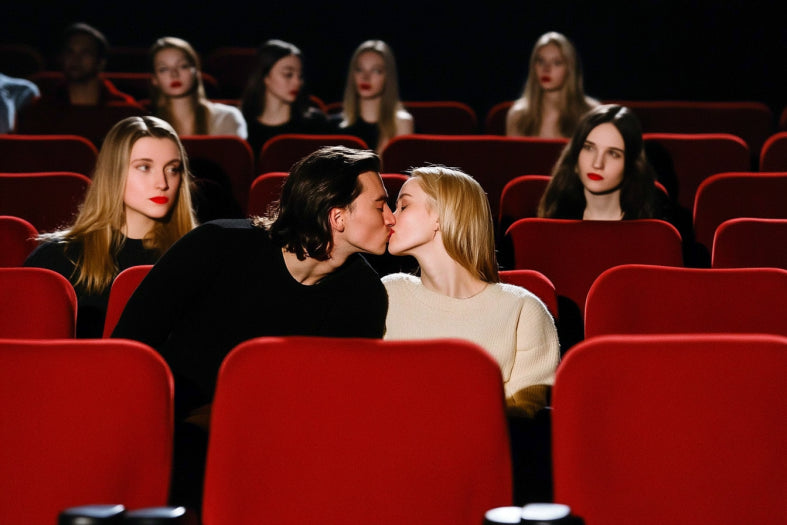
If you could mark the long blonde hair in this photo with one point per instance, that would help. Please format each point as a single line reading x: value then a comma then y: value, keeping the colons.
x: 160, y: 103
x: 465, y: 218
x: 98, y: 228
x: 390, y: 103
x: 573, y: 102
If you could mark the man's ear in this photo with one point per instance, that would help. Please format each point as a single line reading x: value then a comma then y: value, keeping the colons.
x: 336, y: 217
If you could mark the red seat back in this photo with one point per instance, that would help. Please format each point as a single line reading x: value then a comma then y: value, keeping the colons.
x: 747, y: 242
x: 666, y: 429
x: 48, y: 200
x: 122, y: 287
x: 84, y: 422
x: 17, y: 240
x: 743, y: 194
x: 382, y: 440
x: 35, y: 153
x: 773, y: 156
x: 648, y: 299
x: 492, y: 161
x: 37, y: 303
x: 282, y: 151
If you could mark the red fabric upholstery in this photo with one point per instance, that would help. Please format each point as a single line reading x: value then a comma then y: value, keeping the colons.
x: 491, y: 160
x: 751, y: 121
x: 447, y: 117
x: 122, y: 287
x: 265, y: 189
x: 91, y: 122
x: 48, y: 200
x: 742, y: 194
x: 773, y: 156
x: 37, y: 303
x: 231, y: 67
x: 17, y: 240
x: 282, y: 151
x: 84, y: 422
x: 519, y: 199
x: 747, y: 242
x: 230, y: 154
x: 495, y: 121
x: 36, y: 153
x: 333, y: 431
x: 572, y: 253
x: 537, y: 283
x: 672, y: 429
x: 683, y: 161
x: 645, y: 299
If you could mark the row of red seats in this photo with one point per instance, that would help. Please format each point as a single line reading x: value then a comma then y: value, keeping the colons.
x: 647, y: 429
x: 683, y: 161
x: 49, y: 200
x: 636, y: 282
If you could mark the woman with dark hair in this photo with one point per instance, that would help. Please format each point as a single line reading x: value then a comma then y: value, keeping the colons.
x: 603, y: 173
x: 554, y: 99
x: 273, y: 101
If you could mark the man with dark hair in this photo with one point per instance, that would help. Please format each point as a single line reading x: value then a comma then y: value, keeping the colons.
x: 83, y: 56
x: 296, y: 271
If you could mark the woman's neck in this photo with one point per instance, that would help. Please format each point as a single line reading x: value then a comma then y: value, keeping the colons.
x: 369, y: 109
x: 440, y: 273
x: 183, y: 114
x: 276, y: 112
x: 603, y: 207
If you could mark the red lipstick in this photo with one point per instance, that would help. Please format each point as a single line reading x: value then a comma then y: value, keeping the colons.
x: 160, y: 200
x: 546, y: 79
x: 365, y: 86
x: 176, y: 84
x: 595, y: 176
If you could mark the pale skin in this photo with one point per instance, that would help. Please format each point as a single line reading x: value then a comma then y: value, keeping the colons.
x: 152, y: 183
x: 175, y: 77
x: 369, y: 77
x: 601, y: 166
x: 282, y: 85
x: 417, y: 233
x: 363, y: 226
x: 551, y: 70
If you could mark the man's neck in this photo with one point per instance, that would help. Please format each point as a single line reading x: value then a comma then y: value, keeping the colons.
x: 86, y: 92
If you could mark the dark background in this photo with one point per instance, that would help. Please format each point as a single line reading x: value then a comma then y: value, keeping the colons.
x: 472, y: 52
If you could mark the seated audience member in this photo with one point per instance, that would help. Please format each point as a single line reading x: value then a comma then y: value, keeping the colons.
x: 274, y: 101
x: 443, y: 219
x: 371, y: 108
x: 296, y: 271
x: 15, y: 93
x: 137, y: 205
x: 83, y: 55
x: 553, y: 99
x: 178, y: 95
x: 603, y: 173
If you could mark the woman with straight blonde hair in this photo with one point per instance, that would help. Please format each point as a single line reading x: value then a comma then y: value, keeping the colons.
x: 137, y: 205
x: 178, y: 94
x: 371, y: 108
x: 443, y: 220
x: 554, y: 99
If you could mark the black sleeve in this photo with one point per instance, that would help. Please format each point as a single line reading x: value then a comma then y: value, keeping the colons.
x: 177, y: 279
x: 51, y: 255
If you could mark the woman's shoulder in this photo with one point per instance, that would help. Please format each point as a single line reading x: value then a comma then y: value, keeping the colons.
x: 516, y: 294
x: 226, y: 119
x: 54, y: 254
